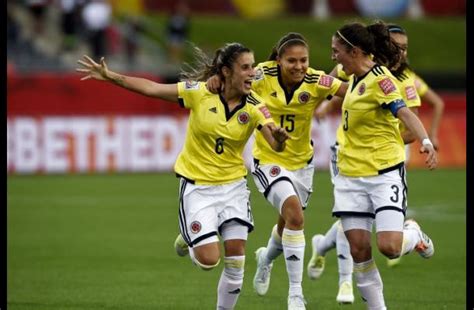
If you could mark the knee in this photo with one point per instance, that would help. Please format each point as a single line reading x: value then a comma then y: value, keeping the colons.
x: 390, y: 249
x: 361, y: 252
x: 207, y: 261
x: 293, y: 214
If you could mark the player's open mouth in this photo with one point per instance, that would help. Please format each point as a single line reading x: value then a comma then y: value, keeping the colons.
x: 248, y: 84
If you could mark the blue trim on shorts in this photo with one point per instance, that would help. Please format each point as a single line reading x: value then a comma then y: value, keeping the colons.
x: 352, y: 213
x: 283, y: 178
x: 200, y: 238
x: 395, y: 167
x: 238, y: 220
x: 390, y: 208
x: 181, y: 214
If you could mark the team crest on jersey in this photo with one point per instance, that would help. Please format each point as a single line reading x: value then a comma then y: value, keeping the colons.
x: 274, y: 171
x: 410, y: 92
x: 361, y: 89
x: 303, y: 97
x: 265, y: 112
x: 195, y: 227
x: 243, y: 118
x: 387, y: 86
x: 326, y: 80
x: 258, y: 74
x: 191, y: 85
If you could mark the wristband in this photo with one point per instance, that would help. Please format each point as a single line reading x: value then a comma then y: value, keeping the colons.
x: 426, y: 141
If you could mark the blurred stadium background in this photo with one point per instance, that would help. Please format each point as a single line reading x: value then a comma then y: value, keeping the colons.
x: 92, y: 201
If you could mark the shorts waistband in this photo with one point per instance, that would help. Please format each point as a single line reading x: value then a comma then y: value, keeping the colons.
x: 397, y: 166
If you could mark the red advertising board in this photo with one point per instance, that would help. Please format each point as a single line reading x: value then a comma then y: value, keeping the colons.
x: 61, y: 124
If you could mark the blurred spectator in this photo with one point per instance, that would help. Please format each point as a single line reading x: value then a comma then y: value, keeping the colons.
x: 96, y: 16
x: 133, y: 27
x: 13, y: 29
x: 177, y: 31
x: 70, y: 20
x: 37, y: 10
x: 320, y: 9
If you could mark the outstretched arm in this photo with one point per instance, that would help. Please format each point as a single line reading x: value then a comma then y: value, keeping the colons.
x: 435, y: 100
x: 413, y: 123
x: 93, y: 70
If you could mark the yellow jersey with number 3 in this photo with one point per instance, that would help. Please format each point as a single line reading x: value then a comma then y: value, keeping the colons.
x: 216, y: 137
x: 292, y: 111
x: 371, y: 139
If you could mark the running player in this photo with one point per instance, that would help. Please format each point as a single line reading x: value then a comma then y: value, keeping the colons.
x: 407, y: 81
x: 292, y: 90
x: 213, y: 194
x: 370, y: 186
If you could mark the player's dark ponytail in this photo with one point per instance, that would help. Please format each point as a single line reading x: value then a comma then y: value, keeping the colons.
x: 205, y: 67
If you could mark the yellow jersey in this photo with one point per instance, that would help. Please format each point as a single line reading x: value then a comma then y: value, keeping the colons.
x: 420, y: 84
x: 371, y: 139
x: 292, y: 111
x: 215, y: 137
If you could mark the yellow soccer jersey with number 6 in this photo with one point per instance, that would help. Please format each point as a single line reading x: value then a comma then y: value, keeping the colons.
x: 292, y: 111
x: 371, y: 139
x: 215, y: 137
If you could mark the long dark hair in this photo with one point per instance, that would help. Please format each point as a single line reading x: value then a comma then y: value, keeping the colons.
x: 372, y: 39
x: 288, y: 40
x: 204, y: 67
x: 398, y: 73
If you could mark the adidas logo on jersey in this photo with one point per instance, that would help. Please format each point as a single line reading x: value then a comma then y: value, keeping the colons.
x: 213, y: 109
x: 293, y: 258
x: 274, y: 94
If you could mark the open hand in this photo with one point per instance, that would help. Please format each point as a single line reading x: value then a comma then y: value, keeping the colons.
x: 432, y: 158
x: 93, y: 70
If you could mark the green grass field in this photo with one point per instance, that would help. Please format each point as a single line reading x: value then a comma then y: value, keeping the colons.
x: 106, y: 242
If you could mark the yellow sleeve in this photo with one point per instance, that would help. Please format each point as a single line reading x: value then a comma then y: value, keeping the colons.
x: 328, y: 85
x: 258, y: 83
x: 386, y: 90
x: 421, y: 86
x: 190, y: 92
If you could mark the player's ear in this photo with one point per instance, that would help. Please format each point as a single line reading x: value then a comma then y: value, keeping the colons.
x: 226, y: 71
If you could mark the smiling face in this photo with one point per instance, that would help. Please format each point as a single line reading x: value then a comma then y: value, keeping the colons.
x: 294, y: 62
x: 240, y: 77
x: 342, y: 55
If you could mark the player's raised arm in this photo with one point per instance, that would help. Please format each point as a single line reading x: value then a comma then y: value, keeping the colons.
x: 93, y: 70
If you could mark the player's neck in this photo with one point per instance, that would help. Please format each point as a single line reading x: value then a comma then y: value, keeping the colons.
x: 365, y: 66
x: 231, y: 97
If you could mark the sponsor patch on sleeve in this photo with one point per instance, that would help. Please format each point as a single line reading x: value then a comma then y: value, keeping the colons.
x: 265, y: 112
x: 258, y: 74
x: 191, y: 85
x: 410, y: 92
x: 326, y: 80
x: 387, y: 86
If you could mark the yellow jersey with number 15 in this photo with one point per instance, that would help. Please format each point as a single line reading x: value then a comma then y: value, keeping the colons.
x: 292, y: 111
x: 215, y: 137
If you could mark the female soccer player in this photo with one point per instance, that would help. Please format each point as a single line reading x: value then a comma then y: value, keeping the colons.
x: 213, y: 198
x: 292, y: 90
x: 407, y: 81
x: 370, y: 186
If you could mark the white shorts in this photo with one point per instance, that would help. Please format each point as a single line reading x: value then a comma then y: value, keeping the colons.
x: 367, y: 196
x: 285, y: 183
x: 204, y: 209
